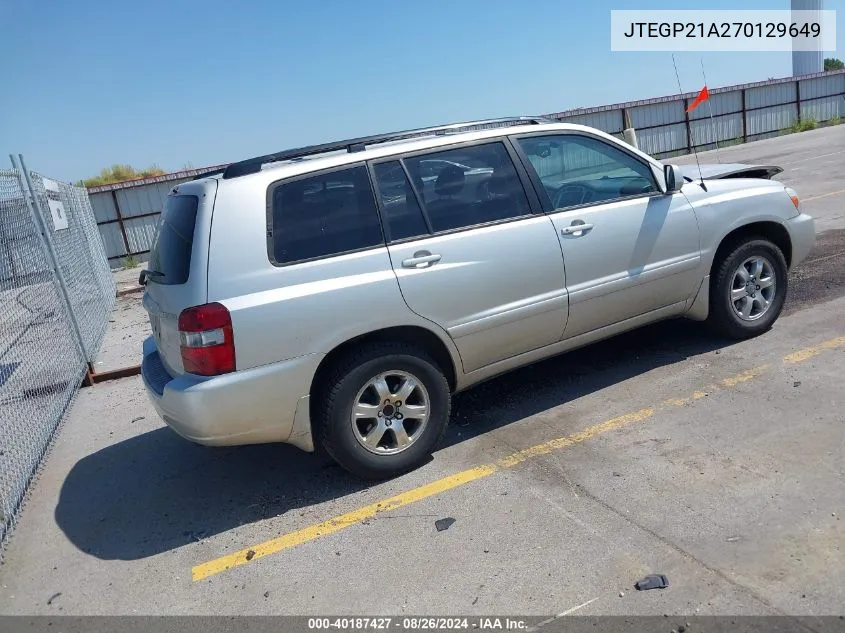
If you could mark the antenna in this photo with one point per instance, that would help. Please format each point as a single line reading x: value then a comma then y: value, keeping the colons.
x: 681, y: 90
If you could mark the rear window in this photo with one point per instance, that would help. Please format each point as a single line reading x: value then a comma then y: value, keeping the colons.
x: 171, y: 252
x: 323, y: 215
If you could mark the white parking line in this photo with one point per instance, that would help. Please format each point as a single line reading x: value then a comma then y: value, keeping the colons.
x: 560, y: 615
x: 804, y: 160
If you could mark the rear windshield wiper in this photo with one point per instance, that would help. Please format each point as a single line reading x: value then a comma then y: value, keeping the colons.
x: 142, y: 278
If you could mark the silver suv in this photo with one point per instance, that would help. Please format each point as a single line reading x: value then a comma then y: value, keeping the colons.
x: 343, y: 292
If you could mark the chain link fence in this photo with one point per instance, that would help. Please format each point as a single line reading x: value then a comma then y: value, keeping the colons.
x: 56, y: 294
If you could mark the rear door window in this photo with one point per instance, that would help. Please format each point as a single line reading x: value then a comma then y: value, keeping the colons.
x: 468, y: 186
x: 400, y: 210
x: 323, y: 215
x: 171, y: 252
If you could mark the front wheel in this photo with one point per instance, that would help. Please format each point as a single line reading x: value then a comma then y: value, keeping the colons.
x: 384, y: 409
x: 748, y: 289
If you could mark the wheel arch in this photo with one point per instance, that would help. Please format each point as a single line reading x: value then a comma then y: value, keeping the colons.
x: 770, y: 230
x: 415, y: 335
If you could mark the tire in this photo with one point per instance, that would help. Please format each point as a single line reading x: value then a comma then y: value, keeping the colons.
x: 737, y: 308
x: 353, y: 380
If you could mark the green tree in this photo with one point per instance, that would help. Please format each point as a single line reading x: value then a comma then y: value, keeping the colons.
x: 119, y: 173
x: 831, y: 63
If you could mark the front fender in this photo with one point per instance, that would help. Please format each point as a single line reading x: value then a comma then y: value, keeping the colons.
x: 728, y: 205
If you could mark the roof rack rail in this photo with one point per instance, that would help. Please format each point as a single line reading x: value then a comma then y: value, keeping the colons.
x: 253, y: 165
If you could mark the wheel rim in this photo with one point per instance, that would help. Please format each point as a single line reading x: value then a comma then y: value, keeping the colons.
x: 753, y: 287
x: 390, y: 412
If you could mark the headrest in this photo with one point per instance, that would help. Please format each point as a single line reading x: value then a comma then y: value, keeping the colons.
x: 501, y: 182
x: 450, y: 181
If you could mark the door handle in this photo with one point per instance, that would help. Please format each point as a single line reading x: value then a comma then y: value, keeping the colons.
x: 421, y: 259
x: 577, y: 228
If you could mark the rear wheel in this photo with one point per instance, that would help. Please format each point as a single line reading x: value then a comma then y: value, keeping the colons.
x: 748, y: 289
x: 384, y: 409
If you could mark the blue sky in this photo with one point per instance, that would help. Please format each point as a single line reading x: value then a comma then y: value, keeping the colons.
x: 99, y: 82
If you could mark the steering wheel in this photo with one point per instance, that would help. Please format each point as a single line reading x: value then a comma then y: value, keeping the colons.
x: 571, y: 195
x: 635, y: 188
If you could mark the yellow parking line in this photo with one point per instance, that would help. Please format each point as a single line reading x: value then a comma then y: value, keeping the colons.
x: 562, y: 442
x: 340, y: 522
x: 809, y: 352
x: 745, y: 376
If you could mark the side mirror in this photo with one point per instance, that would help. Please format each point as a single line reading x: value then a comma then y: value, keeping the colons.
x: 674, y: 178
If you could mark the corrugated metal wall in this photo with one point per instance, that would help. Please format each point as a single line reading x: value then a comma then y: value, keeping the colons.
x: 770, y: 95
x: 739, y: 113
x: 130, y: 226
x: 772, y: 119
x: 728, y: 128
x: 821, y: 98
x: 721, y: 103
x: 141, y: 232
x: 823, y: 86
x: 823, y: 109
x: 609, y: 121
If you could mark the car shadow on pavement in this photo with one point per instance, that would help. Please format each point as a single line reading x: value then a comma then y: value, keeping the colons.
x: 555, y: 381
x: 156, y: 492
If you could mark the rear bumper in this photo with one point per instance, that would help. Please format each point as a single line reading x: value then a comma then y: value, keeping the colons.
x: 802, y: 232
x: 250, y: 406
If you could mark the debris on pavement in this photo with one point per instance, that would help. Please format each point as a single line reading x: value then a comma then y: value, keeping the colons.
x: 250, y: 554
x: 652, y: 581
x: 53, y: 597
x: 797, y: 383
x: 444, y: 524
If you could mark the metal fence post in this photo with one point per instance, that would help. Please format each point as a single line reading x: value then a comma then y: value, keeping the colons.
x: 36, y: 211
x: 685, y: 105
x: 120, y: 222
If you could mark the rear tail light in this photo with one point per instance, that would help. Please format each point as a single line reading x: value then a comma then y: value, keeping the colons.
x: 207, y: 342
